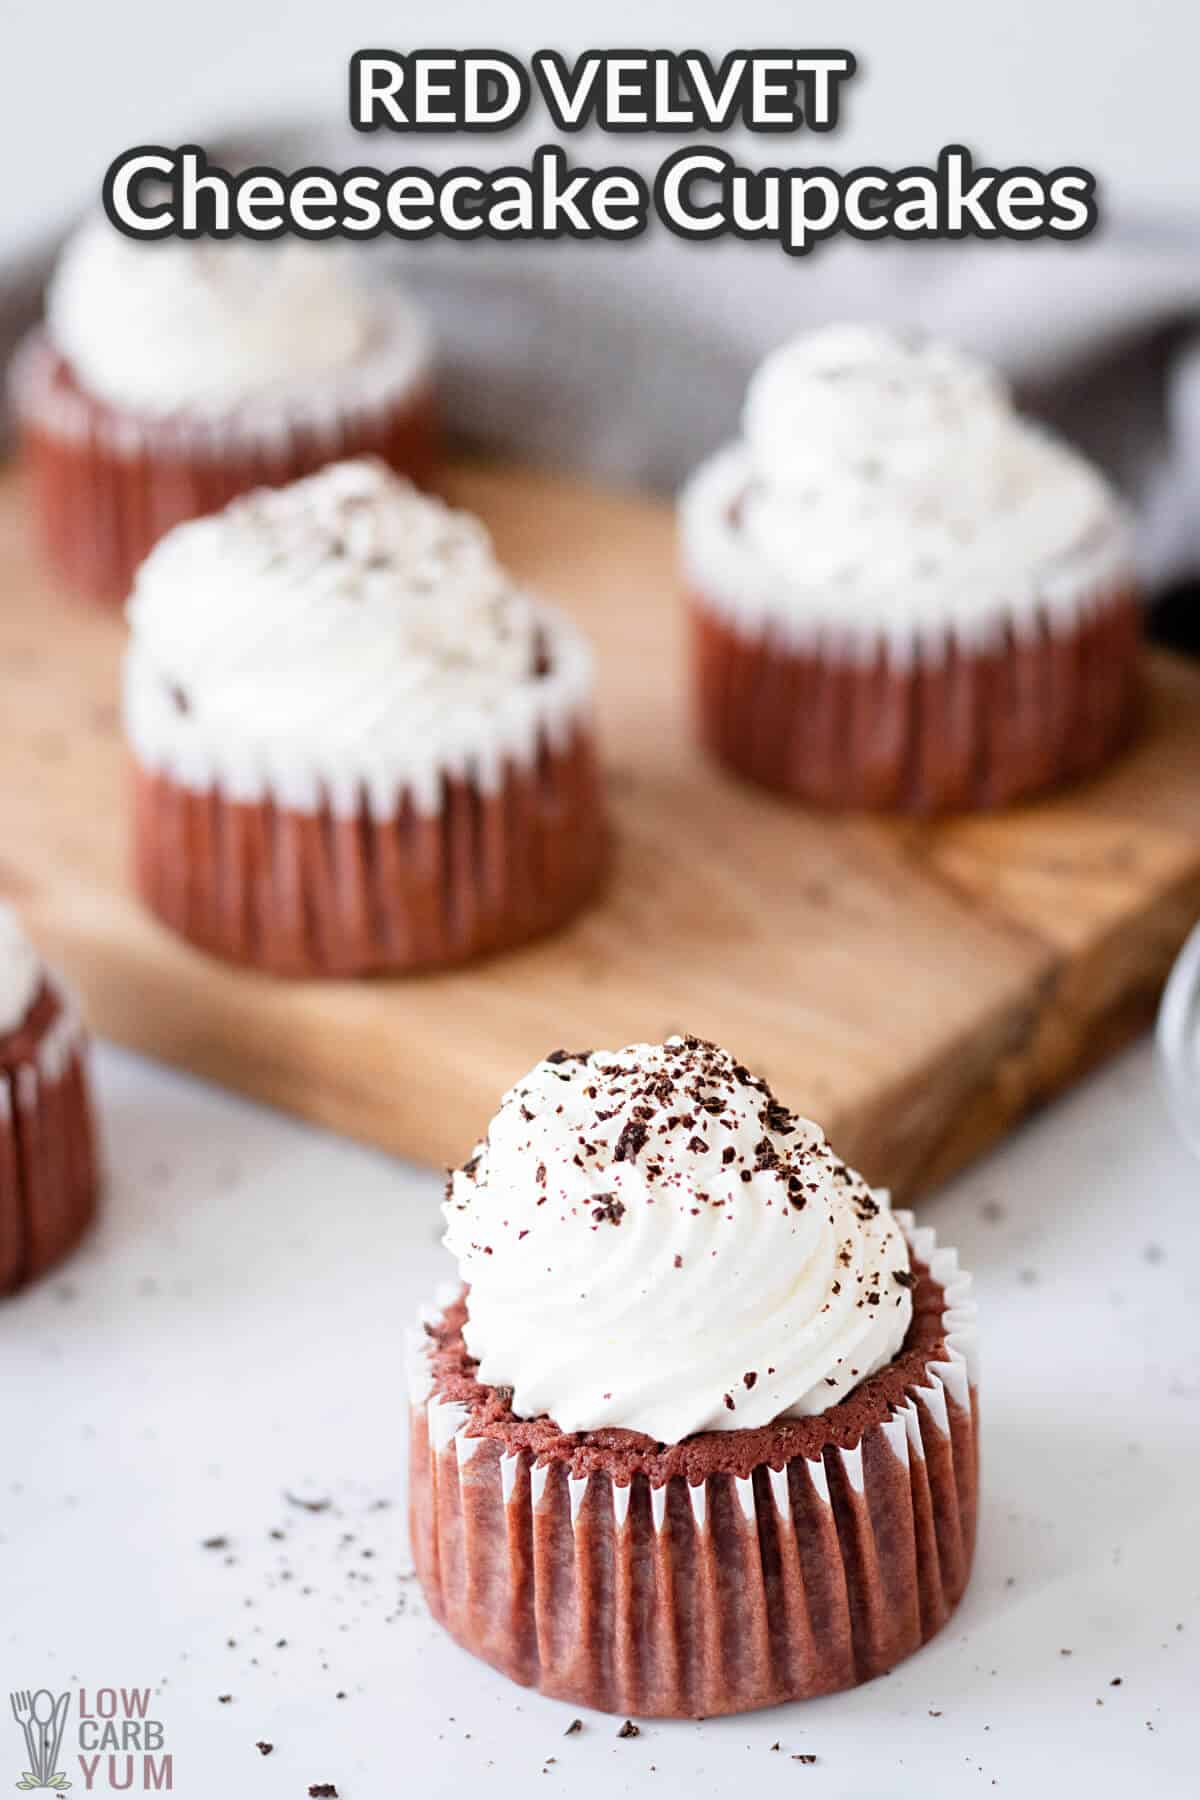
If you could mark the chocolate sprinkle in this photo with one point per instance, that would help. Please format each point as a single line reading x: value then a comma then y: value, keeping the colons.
x: 776, y: 1117
x: 629, y: 1729
x: 575, y: 1726
x: 632, y: 1139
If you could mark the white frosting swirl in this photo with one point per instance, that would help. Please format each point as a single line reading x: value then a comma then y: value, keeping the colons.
x: 155, y: 327
x: 653, y: 1242
x: 20, y: 971
x: 341, y: 634
x: 888, y: 488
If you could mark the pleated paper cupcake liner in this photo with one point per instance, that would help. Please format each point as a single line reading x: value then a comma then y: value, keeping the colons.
x: 48, y: 1175
x: 336, y: 892
x: 692, y: 1600
x: 108, y: 484
x: 951, y: 727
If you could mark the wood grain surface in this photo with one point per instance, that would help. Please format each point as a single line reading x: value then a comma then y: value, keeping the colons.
x: 915, y: 987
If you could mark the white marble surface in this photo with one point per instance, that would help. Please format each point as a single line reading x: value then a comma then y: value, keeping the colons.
x: 232, y: 1333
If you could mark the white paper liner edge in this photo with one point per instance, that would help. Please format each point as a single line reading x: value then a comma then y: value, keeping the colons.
x: 722, y: 569
x: 302, y: 774
x: 956, y: 1377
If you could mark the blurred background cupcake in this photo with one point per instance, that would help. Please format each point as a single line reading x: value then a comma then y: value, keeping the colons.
x: 170, y: 377
x: 47, y: 1145
x: 358, y: 746
x: 903, y: 595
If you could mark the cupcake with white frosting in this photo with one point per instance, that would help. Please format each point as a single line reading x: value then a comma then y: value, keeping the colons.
x: 358, y: 745
x: 696, y: 1431
x: 170, y: 377
x: 905, y: 596
x: 47, y: 1143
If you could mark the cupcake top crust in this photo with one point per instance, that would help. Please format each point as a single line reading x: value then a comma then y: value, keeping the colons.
x: 653, y: 1242
x: 200, y: 326
x: 20, y: 971
x: 888, y: 488
x: 346, y: 633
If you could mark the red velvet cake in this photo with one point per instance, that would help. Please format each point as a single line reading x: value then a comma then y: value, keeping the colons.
x: 903, y: 596
x: 47, y: 1143
x: 699, y: 1433
x: 357, y: 747
x: 171, y: 377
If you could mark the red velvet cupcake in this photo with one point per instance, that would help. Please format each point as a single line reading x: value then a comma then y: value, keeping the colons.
x: 699, y: 1433
x: 171, y: 377
x: 904, y: 596
x: 357, y: 746
x: 47, y: 1144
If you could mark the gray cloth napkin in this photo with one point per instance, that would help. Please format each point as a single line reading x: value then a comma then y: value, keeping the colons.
x: 628, y: 362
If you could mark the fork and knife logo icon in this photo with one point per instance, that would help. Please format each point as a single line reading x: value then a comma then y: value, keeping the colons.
x: 42, y: 1717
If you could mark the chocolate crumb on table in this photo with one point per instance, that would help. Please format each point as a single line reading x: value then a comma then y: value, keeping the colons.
x: 575, y: 1726
x: 264, y: 1749
x: 323, y: 1790
x: 629, y: 1729
x: 808, y: 1757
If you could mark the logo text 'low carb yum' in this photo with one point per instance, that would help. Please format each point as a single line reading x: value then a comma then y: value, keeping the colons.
x: 111, y: 1745
x: 119, y: 1746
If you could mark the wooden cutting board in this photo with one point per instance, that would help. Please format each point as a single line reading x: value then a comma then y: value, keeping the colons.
x: 914, y: 987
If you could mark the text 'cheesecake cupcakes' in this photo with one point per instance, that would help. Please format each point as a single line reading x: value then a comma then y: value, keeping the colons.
x: 170, y: 377
x: 358, y: 745
x: 903, y: 595
x: 699, y: 1432
x: 47, y: 1140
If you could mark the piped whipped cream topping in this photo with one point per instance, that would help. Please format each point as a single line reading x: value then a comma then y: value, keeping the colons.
x: 20, y: 971
x: 886, y: 488
x: 346, y: 633
x: 652, y: 1241
x: 202, y: 325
